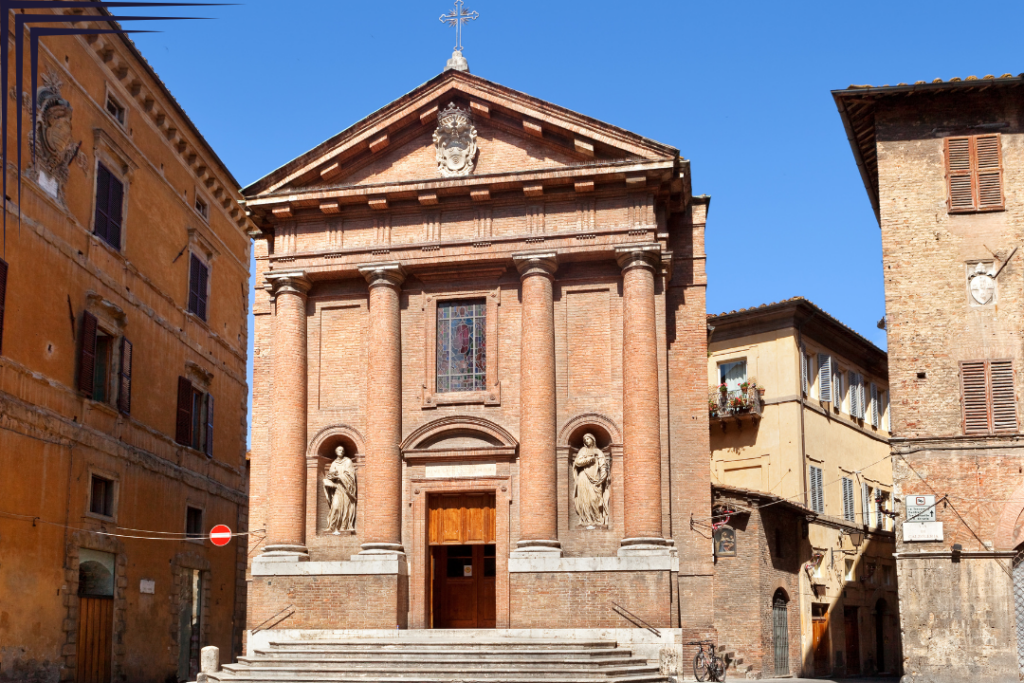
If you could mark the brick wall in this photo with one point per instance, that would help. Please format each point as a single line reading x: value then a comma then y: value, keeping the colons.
x: 326, y: 602
x: 584, y: 599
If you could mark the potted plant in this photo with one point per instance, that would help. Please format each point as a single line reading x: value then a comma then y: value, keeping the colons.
x: 723, y: 388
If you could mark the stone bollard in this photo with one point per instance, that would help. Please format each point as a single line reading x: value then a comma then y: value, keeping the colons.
x: 209, y: 662
x: 670, y: 660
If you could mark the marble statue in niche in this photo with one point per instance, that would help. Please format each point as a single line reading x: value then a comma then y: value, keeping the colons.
x: 454, y: 142
x: 591, y: 469
x: 55, y: 147
x: 340, y: 489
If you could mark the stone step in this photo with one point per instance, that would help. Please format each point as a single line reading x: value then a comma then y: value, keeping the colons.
x: 440, y: 677
x: 477, y: 671
x: 469, y: 642
x: 397, y: 661
x: 447, y: 653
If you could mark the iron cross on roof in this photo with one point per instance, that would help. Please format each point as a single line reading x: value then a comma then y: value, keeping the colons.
x: 457, y: 17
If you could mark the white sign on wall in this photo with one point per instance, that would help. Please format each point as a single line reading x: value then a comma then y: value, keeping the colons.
x: 922, y: 531
x: 147, y: 586
x: 460, y: 469
x: 920, y: 508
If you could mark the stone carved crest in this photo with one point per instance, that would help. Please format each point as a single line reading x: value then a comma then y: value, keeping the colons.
x: 55, y: 147
x: 982, y: 283
x: 455, y: 142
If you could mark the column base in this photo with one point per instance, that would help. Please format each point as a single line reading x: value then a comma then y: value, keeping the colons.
x: 379, y: 551
x: 283, y: 553
x: 644, y: 546
x: 526, y: 549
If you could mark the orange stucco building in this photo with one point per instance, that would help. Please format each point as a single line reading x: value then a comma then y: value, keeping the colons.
x: 124, y: 295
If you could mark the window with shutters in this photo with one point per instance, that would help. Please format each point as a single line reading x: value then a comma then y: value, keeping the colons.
x: 865, y: 504
x: 104, y: 365
x: 974, y: 173
x: 3, y: 300
x: 115, y: 109
x: 837, y: 390
x: 817, y: 494
x: 804, y: 373
x: 874, y: 405
x: 988, y: 396
x: 849, y: 514
x: 109, y: 207
x: 194, y: 424
x: 824, y: 377
x: 198, y: 286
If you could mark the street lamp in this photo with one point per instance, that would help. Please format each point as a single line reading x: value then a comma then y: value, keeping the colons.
x: 856, y: 537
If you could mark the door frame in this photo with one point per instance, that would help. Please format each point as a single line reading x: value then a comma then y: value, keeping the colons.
x: 419, y: 579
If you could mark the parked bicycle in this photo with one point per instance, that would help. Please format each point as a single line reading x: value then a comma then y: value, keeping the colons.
x: 706, y: 664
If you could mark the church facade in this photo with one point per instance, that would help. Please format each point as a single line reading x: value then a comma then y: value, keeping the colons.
x: 480, y: 360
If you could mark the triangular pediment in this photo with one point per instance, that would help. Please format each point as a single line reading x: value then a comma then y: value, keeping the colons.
x: 515, y: 134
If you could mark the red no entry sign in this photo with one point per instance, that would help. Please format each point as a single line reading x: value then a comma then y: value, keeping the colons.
x: 220, y: 534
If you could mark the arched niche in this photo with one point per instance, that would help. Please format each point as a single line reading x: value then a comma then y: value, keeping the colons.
x: 605, y: 431
x: 329, y: 438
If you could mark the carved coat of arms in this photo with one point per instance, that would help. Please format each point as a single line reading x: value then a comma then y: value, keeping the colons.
x: 55, y: 146
x: 455, y: 142
x: 982, y: 284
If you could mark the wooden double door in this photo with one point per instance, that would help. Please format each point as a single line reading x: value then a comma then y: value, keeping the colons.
x: 463, y: 560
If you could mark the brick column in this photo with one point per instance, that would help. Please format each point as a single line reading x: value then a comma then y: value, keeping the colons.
x: 538, y: 480
x: 382, y: 533
x: 286, y: 524
x: 641, y: 415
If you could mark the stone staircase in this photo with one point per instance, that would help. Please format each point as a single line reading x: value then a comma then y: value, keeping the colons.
x: 437, y: 661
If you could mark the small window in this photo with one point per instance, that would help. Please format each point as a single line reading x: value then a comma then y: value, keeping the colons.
x: 462, y: 345
x: 194, y: 426
x: 824, y: 377
x: 988, y: 396
x: 193, y: 522
x: 849, y: 514
x: 865, y: 503
x: 818, y: 561
x: 115, y: 109
x: 101, y: 499
x: 732, y: 374
x: 837, y: 391
x: 881, y: 504
x: 974, y: 173
x: 779, y: 545
x: 872, y: 568
x: 849, y: 573
x: 887, y: 574
x: 202, y: 208
x: 817, y: 499
x: 109, y: 205
x: 198, y: 287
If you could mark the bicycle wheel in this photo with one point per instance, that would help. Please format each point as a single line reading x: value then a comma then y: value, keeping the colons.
x: 719, y: 669
x: 701, y: 670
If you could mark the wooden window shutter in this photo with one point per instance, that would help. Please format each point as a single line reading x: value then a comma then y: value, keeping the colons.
x: 988, y: 154
x: 114, y: 217
x: 855, y: 407
x: 183, y: 432
x: 974, y: 172
x: 3, y: 299
x: 803, y: 372
x: 87, y: 354
x: 817, y: 497
x: 209, y: 425
x: 124, y: 394
x: 824, y: 377
x: 849, y: 514
x: 865, y: 504
x: 204, y: 274
x: 193, y: 284
x: 102, y: 202
x: 1004, y: 396
x: 958, y: 174
x: 974, y: 397
x: 874, y: 404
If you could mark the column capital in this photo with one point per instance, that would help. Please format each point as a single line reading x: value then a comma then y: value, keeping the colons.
x: 291, y: 282
x: 540, y: 263
x: 642, y: 255
x: 392, y: 274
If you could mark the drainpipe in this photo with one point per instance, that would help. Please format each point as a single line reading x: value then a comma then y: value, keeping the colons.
x: 800, y: 392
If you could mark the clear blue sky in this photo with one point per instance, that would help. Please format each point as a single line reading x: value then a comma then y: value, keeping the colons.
x: 740, y: 88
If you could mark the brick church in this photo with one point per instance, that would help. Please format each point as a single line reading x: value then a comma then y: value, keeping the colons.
x: 480, y: 374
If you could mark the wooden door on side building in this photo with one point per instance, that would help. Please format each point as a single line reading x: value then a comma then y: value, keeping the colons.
x: 822, y: 666
x: 852, y: 641
x: 95, y: 637
x: 462, y: 560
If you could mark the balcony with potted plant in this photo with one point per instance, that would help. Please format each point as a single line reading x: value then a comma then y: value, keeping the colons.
x: 744, y: 404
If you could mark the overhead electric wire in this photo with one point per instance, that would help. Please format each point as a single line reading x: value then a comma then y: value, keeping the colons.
x: 166, y: 535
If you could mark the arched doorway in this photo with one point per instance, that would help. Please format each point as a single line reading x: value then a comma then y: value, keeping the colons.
x: 881, y: 609
x: 780, y: 632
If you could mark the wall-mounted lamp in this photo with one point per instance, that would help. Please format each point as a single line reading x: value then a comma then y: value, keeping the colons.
x: 856, y: 537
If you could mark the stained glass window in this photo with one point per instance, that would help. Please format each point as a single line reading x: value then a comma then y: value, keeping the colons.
x: 461, y: 345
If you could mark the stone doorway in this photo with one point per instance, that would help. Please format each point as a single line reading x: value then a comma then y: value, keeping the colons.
x: 852, y: 629
x: 462, y: 560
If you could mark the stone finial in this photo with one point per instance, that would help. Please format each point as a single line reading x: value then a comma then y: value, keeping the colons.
x: 457, y: 62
